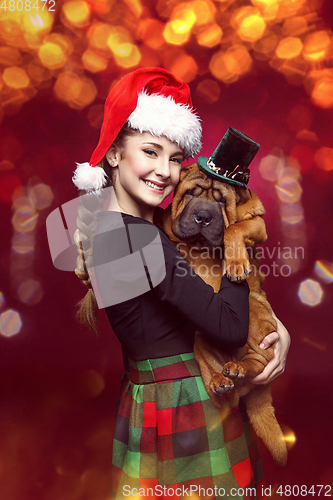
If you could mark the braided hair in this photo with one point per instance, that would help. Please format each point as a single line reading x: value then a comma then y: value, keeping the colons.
x: 90, y: 205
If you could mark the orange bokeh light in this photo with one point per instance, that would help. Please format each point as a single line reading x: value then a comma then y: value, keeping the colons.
x: 185, y: 68
x: 324, y: 158
x: 316, y: 46
x: 52, y: 55
x: 322, y: 93
x: 77, y: 12
x: 204, y: 11
x: 173, y: 37
x: 93, y: 62
x: 252, y: 28
x: 289, y: 48
x: 211, y: 36
x: 98, y: 35
x: 16, y: 77
x: 77, y: 92
x: 230, y: 65
x: 151, y: 32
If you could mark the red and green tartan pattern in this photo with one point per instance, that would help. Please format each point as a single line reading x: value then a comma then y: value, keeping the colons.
x: 169, y: 433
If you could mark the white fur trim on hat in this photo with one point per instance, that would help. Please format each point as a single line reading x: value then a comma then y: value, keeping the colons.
x: 90, y: 179
x: 161, y: 115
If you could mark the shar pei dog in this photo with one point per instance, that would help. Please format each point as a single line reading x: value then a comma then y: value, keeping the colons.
x: 209, y: 221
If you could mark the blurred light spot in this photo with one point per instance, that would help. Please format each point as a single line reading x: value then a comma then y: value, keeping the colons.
x: 252, y: 28
x: 77, y: 92
x: 299, y: 118
x: 151, y: 32
x: 16, y: 77
x: 24, y: 219
x: 135, y: 6
x: 314, y: 344
x: 322, y: 93
x: 10, y: 56
x: 23, y: 243
x: 316, y: 46
x: 174, y: 36
x: 307, y: 135
x: 125, y: 52
x: 183, y: 18
x: 127, y: 55
x: 288, y: 189
x: 91, y: 383
x: 10, y: 323
x: 2, y: 300
x: 204, y: 11
x: 271, y: 167
x: 36, y: 20
x: 93, y: 62
x: 303, y: 155
x: 8, y: 186
x: 38, y: 73
x: 30, y: 292
x: 294, y: 26
x: 211, y: 36
x: 95, y: 115
x: 41, y: 196
x: 52, y: 55
x: 310, y: 292
x: 292, y: 214
x: 324, y: 270
x: 289, y: 47
x: 324, y: 158
x: 289, y: 436
x: 208, y: 91
x: 77, y: 12
x: 185, y: 68
x: 230, y: 65
x: 98, y: 35
x: 266, y: 46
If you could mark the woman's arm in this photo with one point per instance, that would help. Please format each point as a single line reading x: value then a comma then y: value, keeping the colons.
x: 277, y: 365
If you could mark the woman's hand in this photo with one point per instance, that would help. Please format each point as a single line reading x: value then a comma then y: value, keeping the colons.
x: 277, y: 365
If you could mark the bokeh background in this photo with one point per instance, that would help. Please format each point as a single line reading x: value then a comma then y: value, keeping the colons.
x: 262, y: 66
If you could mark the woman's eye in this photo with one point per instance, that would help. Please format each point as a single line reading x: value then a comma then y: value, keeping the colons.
x: 179, y: 161
x: 150, y: 152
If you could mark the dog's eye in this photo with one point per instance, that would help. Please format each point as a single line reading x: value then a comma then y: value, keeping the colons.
x: 218, y: 196
x: 190, y: 193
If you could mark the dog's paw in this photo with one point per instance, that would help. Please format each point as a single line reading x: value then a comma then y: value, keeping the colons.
x: 234, y: 369
x: 220, y: 384
x: 238, y: 270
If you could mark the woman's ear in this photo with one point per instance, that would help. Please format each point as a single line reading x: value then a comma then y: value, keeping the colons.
x: 113, y: 156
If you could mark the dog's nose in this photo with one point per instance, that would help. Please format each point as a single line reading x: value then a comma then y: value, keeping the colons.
x: 203, y: 218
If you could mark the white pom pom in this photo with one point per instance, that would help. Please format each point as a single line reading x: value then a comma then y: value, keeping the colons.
x: 90, y: 179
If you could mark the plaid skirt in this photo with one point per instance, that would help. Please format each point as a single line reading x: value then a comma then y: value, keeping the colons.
x: 170, y: 441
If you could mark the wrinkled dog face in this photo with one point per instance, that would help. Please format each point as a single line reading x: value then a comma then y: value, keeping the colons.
x: 202, y: 208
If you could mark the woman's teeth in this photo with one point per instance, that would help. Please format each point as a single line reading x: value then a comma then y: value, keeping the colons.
x: 159, y: 188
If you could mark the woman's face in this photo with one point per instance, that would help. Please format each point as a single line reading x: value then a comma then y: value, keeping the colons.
x: 148, y: 170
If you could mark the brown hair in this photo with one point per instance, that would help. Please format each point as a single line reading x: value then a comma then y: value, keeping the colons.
x: 89, y: 206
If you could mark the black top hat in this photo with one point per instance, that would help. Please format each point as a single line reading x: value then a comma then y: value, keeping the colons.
x: 231, y: 159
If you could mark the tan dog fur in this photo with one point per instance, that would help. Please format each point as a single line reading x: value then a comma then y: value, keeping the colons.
x: 236, y: 212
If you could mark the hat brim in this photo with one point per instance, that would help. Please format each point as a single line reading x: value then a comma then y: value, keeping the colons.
x: 202, y: 164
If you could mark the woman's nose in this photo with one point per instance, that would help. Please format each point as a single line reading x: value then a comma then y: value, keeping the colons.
x: 163, y: 167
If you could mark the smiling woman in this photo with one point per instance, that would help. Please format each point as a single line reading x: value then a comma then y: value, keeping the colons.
x: 145, y: 171
x: 168, y: 431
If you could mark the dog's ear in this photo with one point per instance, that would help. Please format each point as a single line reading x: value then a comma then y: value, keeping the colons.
x: 248, y: 205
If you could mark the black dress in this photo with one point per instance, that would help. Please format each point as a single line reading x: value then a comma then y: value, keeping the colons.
x: 168, y: 433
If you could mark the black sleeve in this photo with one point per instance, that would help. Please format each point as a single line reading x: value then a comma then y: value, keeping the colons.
x: 222, y: 316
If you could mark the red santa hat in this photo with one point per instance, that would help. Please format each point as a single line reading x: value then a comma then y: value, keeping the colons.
x: 148, y: 100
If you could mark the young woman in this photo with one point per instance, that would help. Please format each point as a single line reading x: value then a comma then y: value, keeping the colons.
x: 169, y: 438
